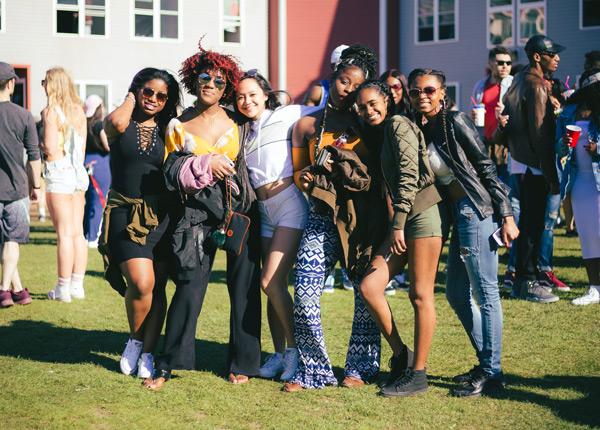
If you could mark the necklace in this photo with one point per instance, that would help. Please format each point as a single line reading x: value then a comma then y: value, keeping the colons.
x: 146, y: 137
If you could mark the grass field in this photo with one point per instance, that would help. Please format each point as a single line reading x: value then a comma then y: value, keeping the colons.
x: 60, y: 364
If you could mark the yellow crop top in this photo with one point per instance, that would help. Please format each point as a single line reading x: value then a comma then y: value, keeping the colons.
x: 305, y: 156
x: 178, y: 139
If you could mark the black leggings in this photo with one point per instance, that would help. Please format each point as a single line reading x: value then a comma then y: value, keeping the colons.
x: 243, y: 277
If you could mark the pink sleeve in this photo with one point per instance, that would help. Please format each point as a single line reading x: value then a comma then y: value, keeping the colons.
x: 195, y: 173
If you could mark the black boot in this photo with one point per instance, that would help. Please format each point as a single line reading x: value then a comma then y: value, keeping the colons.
x: 411, y: 383
x: 479, y: 383
x: 399, y: 364
x: 463, y: 378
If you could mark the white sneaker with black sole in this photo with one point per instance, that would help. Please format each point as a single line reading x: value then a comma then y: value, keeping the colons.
x: 130, y: 357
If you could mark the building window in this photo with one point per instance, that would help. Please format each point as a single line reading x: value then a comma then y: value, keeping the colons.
x: 530, y: 16
x: 100, y: 88
x: 589, y: 12
x: 83, y: 17
x: 436, y: 20
x: 156, y: 19
x: 2, y: 15
x: 452, y: 92
x: 231, y: 21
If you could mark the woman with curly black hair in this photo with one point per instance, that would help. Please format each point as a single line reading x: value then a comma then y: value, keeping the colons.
x: 135, y: 131
x: 324, y: 241
x: 214, y: 137
x: 414, y: 236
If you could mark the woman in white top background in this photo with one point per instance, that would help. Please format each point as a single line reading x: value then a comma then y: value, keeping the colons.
x: 65, y: 131
x: 283, y: 208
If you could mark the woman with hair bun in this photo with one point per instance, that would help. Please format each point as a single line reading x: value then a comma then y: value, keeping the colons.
x: 283, y: 209
x: 135, y: 219
x: 323, y: 242
x: 478, y: 200
x: 213, y: 139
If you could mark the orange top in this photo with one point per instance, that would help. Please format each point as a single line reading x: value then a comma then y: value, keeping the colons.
x: 305, y: 156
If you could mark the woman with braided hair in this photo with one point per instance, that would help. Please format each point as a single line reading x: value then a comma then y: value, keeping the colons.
x: 414, y: 235
x: 468, y: 181
x: 323, y: 243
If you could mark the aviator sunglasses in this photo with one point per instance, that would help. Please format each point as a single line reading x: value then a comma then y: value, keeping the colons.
x: 149, y: 92
x: 416, y: 92
x: 205, y: 78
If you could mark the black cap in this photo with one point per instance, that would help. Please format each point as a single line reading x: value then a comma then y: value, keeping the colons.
x: 541, y: 43
x: 7, y: 71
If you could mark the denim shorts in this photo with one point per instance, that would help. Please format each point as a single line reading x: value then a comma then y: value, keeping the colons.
x: 289, y: 209
x: 65, y: 178
x: 14, y: 221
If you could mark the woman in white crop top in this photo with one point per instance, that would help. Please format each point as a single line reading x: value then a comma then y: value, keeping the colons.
x: 283, y: 208
x: 67, y: 181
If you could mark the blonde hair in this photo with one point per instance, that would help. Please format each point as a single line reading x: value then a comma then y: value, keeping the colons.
x: 61, y: 92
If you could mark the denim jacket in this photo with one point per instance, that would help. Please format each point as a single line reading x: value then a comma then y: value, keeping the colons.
x: 566, y: 155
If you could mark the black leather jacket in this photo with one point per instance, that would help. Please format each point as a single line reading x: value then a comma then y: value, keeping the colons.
x: 468, y: 158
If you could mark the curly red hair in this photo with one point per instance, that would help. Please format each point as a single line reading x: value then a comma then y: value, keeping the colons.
x: 210, y: 60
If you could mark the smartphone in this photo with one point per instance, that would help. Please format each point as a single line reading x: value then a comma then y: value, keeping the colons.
x: 322, y: 158
x: 497, y: 237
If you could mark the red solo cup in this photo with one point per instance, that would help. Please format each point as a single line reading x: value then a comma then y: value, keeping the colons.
x: 573, y: 132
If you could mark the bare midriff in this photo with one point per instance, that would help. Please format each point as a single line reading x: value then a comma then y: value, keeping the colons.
x: 271, y: 190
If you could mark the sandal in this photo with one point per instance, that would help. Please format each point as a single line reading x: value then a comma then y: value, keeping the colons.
x: 238, y: 379
x: 352, y: 382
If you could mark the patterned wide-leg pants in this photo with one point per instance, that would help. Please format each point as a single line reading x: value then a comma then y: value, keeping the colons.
x: 319, y: 251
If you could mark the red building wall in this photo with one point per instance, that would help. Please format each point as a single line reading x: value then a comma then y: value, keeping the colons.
x: 316, y: 27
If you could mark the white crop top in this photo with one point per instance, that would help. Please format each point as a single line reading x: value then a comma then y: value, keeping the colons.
x: 268, y: 151
x: 443, y: 174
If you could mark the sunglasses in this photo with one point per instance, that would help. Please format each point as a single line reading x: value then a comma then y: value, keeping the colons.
x: 205, y: 78
x: 396, y: 87
x: 503, y: 63
x: 149, y: 92
x: 252, y: 73
x: 549, y: 54
x: 416, y: 92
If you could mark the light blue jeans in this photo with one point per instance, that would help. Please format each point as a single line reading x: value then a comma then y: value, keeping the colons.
x: 547, y: 242
x: 472, y: 283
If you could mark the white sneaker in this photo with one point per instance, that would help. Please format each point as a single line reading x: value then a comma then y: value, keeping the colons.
x: 62, y: 294
x: 390, y: 288
x: 93, y: 244
x: 591, y: 297
x: 130, y: 357
x: 272, y: 367
x: 77, y: 291
x: 346, y: 282
x: 145, y: 365
x: 329, y: 283
x: 290, y: 363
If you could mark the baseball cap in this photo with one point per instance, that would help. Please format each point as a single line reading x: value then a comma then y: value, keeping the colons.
x: 337, y: 53
x: 6, y: 71
x: 91, y: 104
x: 540, y: 43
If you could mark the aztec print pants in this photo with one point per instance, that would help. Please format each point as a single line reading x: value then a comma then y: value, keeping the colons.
x: 319, y: 251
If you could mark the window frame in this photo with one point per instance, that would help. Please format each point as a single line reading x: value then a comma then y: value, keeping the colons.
x: 490, y: 9
x: 456, y: 85
x: 436, y: 24
x: 108, y: 84
x: 242, y: 21
x: 515, y: 7
x: 581, y: 26
x: 2, y: 16
x: 81, y: 22
x: 517, y: 17
x: 156, y: 13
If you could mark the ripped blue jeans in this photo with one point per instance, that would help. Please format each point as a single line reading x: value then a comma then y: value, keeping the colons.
x: 472, y: 284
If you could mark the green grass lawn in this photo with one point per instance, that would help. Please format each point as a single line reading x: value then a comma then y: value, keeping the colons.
x: 60, y: 364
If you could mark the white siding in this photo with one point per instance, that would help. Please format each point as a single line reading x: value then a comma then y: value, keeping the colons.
x: 29, y: 39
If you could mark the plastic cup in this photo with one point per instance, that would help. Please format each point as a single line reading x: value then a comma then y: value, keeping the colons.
x: 566, y: 94
x: 479, y: 115
x: 573, y: 132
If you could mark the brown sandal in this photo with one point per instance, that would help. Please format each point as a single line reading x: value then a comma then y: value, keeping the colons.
x: 352, y: 382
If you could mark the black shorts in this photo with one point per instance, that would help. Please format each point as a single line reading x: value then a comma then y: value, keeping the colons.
x: 122, y: 248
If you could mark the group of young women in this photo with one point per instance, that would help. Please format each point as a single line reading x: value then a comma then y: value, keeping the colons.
x: 374, y: 179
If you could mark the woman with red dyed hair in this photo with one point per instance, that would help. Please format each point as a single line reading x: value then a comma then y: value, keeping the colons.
x: 214, y: 136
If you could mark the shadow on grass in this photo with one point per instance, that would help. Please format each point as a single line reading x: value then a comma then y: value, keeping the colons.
x: 581, y: 410
x: 45, y: 342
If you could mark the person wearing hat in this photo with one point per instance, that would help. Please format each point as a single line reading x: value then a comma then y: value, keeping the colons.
x: 529, y: 134
x: 318, y: 94
x: 97, y: 164
x: 17, y: 134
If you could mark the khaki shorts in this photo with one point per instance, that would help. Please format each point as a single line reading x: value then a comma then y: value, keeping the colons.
x: 425, y: 224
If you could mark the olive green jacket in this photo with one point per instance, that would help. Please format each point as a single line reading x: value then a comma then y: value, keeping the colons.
x: 406, y: 170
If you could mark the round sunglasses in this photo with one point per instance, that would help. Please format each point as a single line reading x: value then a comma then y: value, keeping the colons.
x: 205, y: 78
x: 148, y: 92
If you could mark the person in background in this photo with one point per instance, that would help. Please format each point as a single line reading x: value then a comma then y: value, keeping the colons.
x: 581, y: 175
x: 529, y: 133
x: 135, y: 221
x: 17, y: 180
x: 398, y: 85
x: 66, y: 180
x: 592, y: 60
x: 479, y: 201
x: 283, y: 209
x: 97, y: 164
